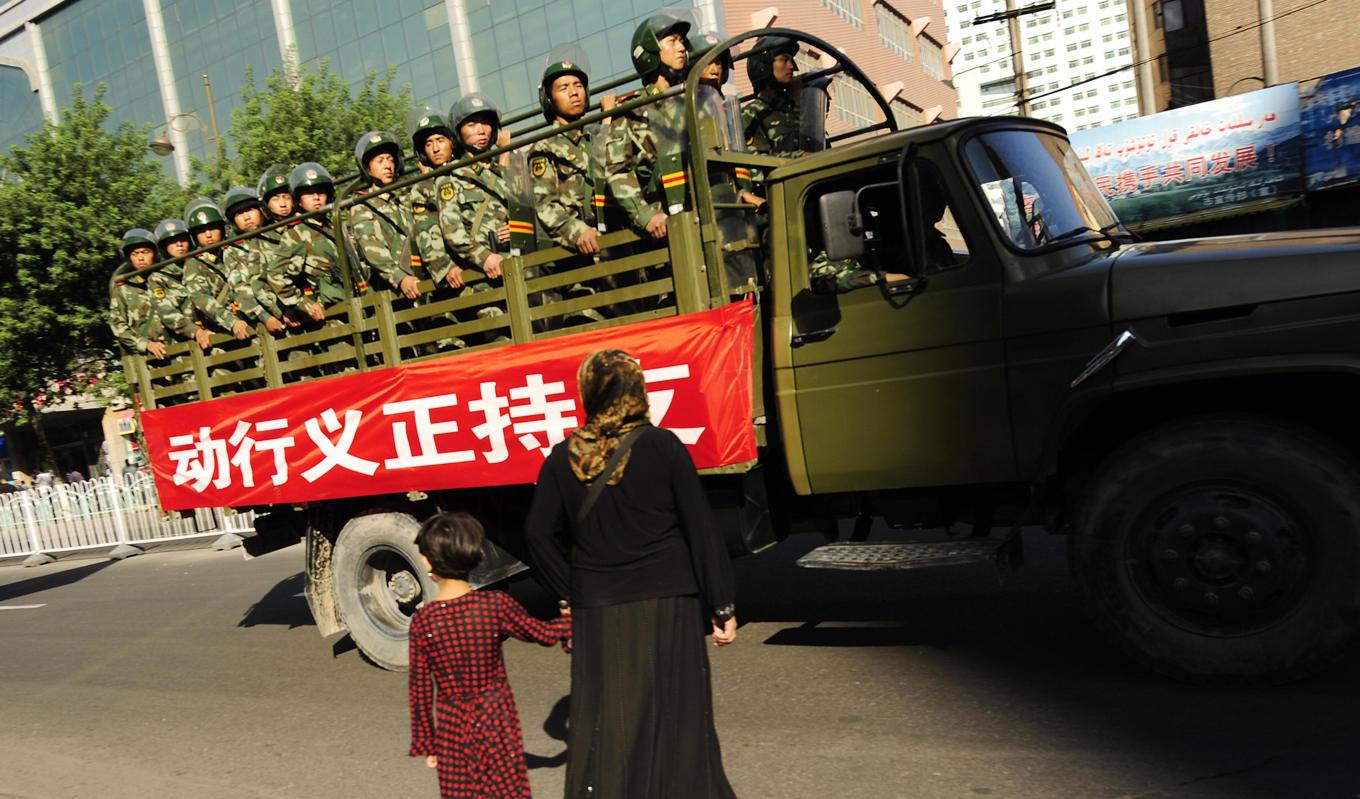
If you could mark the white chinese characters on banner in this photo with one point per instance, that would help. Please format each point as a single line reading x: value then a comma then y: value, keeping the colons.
x: 539, y: 414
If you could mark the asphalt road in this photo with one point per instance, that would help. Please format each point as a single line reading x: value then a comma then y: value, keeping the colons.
x: 195, y: 674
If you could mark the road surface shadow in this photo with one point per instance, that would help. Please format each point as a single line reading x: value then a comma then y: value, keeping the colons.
x: 282, y: 604
x: 1028, y: 650
x: 45, y: 582
x: 556, y: 728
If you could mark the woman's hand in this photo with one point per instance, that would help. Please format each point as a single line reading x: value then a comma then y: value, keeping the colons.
x: 432, y: 761
x: 724, y: 632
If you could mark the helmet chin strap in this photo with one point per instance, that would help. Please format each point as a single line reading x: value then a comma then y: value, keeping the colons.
x: 674, y: 77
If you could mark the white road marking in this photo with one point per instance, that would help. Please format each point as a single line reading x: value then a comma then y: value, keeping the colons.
x: 22, y: 607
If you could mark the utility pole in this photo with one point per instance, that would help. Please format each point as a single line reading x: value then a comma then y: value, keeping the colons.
x: 1012, y: 16
x: 212, y: 115
x: 1270, y: 69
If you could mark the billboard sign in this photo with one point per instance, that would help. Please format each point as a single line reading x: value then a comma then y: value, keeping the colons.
x: 1192, y: 162
x: 1331, y: 130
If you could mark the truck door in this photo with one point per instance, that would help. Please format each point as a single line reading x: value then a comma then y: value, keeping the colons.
x: 897, y: 391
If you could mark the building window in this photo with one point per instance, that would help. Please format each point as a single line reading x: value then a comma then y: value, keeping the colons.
x: 847, y: 10
x: 907, y: 116
x: 852, y: 103
x: 932, y: 58
x: 893, y: 31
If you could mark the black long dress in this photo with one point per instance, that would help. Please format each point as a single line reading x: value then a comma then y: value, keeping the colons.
x: 643, y: 572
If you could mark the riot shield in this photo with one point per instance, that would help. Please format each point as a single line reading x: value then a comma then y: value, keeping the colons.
x: 519, y: 201
x: 813, y: 103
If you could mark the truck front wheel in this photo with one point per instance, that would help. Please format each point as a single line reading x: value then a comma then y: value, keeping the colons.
x: 1224, y: 547
x: 379, y: 582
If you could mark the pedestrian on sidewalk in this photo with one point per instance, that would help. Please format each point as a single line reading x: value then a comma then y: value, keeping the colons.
x: 463, y: 716
x: 645, y: 571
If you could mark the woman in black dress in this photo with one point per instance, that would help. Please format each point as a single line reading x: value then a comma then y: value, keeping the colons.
x: 646, y: 573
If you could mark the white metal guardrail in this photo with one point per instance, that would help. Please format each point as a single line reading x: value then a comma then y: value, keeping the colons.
x: 104, y: 512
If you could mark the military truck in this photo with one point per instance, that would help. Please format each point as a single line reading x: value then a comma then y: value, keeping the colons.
x: 1179, y: 410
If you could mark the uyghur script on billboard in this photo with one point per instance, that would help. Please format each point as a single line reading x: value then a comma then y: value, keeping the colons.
x: 1196, y: 161
x: 1331, y: 130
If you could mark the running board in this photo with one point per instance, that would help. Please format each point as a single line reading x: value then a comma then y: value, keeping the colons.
x: 893, y: 557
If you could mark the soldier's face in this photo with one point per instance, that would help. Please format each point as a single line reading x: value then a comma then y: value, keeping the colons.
x: 569, y: 96
x: 313, y: 200
x: 784, y: 67
x: 383, y: 168
x: 438, y: 148
x: 673, y: 51
x: 281, y: 203
x: 177, y: 247
x: 141, y: 257
x: 247, y: 220
x: 207, y: 237
x: 476, y: 132
x: 712, y: 74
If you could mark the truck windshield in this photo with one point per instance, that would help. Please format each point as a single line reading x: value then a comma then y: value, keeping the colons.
x: 1039, y: 193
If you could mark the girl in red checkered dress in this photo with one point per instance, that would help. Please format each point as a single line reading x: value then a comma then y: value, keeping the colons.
x: 463, y: 716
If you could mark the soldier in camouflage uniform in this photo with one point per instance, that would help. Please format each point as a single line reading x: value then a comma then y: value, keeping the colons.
x: 472, y: 199
x: 208, y: 302
x: 642, y: 141
x: 567, y: 177
x: 132, y: 308
x: 772, y: 119
x: 838, y: 277
x: 209, y: 270
x: 382, y: 226
x: 432, y: 139
x: 306, y: 275
x: 246, y: 259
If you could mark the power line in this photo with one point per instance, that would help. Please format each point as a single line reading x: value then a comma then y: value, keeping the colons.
x: 1149, y: 60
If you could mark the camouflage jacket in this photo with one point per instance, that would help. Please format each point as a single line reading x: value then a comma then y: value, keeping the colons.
x: 472, y: 196
x: 637, y: 141
x: 306, y: 266
x: 772, y: 122
x: 209, y: 296
x: 381, y: 228
x: 434, y: 255
x: 239, y: 267
x: 837, y: 277
x: 567, y: 185
x: 132, y: 315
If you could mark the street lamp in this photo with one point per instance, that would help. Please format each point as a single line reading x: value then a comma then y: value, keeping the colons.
x: 161, y: 145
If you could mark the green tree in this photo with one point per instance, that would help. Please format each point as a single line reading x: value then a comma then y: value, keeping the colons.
x: 315, y: 117
x: 71, y: 191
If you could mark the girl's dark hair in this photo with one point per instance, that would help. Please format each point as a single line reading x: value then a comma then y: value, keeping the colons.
x: 452, y: 543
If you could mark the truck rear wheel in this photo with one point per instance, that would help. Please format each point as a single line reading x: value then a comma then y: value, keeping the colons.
x: 379, y: 582
x: 1224, y: 548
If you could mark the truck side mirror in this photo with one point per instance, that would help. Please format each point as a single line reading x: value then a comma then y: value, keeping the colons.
x: 842, y: 233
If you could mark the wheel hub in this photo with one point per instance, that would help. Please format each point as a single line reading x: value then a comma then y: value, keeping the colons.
x: 1219, y: 560
x: 404, y: 586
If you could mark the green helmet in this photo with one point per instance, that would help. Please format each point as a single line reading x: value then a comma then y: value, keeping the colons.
x: 202, y: 212
x: 170, y: 229
x: 705, y: 42
x: 372, y: 143
x: 469, y: 106
x: 240, y: 198
x: 426, y: 124
x: 551, y: 73
x: 274, y: 179
x: 309, y: 174
x: 136, y: 237
x: 646, y: 49
x: 760, y: 67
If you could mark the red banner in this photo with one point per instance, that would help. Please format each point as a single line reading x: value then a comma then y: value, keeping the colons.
x: 478, y: 419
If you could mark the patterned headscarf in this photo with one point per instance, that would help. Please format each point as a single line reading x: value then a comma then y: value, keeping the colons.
x: 615, y: 398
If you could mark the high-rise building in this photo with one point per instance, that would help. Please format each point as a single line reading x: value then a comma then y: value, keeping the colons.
x: 1077, y: 58
x: 1204, y: 49
x: 153, y: 54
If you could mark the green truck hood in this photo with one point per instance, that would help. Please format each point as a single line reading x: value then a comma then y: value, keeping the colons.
x: 1175, y: 277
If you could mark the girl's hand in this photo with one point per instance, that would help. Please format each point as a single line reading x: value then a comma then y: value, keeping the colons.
x: 432, y: 761
x: 725, y: 632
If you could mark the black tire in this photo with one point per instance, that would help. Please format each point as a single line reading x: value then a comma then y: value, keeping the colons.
x: 1224, y: 548
x: 380, y: 580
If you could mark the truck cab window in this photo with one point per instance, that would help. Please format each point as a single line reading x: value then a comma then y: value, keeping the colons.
x: 945, y: 247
